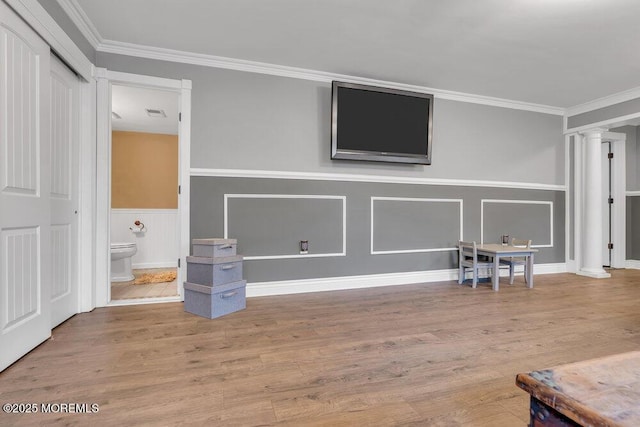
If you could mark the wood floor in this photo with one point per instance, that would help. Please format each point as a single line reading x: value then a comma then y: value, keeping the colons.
x: 438, y: 354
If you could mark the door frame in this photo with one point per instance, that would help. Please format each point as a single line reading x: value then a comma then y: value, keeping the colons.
x: 105, y: 79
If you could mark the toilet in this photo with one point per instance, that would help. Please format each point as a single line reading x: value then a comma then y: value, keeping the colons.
x: 121, y: 254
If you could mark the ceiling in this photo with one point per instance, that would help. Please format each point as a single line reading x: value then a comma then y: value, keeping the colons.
x: 130, y: 103
x: 553, y: 52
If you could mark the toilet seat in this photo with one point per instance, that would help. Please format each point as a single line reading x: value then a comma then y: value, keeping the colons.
x: 122, y: 245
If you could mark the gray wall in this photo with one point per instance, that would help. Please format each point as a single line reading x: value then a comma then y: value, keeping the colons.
x: 250, y: 121
x: 276, y: 231
x: 633, y: 227
x: 631, y: 156
x: 59, y: 15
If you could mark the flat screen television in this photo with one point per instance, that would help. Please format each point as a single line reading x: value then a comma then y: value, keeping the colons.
x: 380, y: 124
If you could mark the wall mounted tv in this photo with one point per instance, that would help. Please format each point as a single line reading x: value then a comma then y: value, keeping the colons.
x: 380, y: 124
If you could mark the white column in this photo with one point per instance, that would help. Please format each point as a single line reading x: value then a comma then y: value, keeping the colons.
x: 592, y: 206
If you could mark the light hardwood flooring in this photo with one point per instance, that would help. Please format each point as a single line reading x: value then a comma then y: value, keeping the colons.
x: 127, y: 290
x: 437, y: 354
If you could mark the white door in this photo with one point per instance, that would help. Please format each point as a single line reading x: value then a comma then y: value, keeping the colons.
x: 64, y: 86
x: 606, y: 207
x: 25, y: 209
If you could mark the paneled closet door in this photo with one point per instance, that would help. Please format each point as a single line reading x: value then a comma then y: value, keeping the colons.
x: 25, y: 206
x: 63, y: 162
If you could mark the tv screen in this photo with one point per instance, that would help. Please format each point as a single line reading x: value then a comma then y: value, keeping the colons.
x: 379, y: 124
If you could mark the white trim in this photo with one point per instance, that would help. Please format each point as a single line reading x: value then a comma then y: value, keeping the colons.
x: 82, y: 21
x: 632, y: 263
x: 321, y: 176
x: 290, y: 196
x: 138, y: 301
x: 604, y: 124
x: 414, y: 199
x: 183, y: 88
x: 161, y: 54
x: 184, y: 198
x: 145, y: 211
x: 286, y: 287
x: 604, y: 102
x: 102, y: 282
x: 160, y: 264
x: 527, y: 202
x: 567, y: 198
x: 87, y: 195
x: 619, y: 207
x: 37, y: 17
x: 633, y: 193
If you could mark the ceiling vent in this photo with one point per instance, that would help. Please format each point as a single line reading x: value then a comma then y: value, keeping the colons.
x: 115, y: 115
x: 155, y: 113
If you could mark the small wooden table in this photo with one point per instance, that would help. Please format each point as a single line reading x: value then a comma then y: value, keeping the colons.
x: 598, y: 392
x: 497, y: 251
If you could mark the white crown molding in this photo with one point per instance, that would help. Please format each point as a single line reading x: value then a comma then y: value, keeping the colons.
x: 319, y: 176
x: 603, y: 102
x: 161, y: 54
x: 82, y: 21
x: 37, y: 17
x: 285, y: 287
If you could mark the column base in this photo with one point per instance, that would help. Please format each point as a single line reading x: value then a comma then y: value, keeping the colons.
x: 596, y: 273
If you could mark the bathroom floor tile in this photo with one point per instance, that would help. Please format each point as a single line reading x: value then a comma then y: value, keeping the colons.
x: 127, y: 290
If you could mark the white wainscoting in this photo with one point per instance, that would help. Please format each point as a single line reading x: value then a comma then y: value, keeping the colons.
x: 157, y: 245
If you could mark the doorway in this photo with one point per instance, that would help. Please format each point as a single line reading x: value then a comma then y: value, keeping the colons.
x: 144, y: 241
x: 142, y: 224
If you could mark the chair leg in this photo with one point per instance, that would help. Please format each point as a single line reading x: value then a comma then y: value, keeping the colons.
x: 460, y: 274
x: 512, y: 273
x: 525, y: 274
x: 475, y: 277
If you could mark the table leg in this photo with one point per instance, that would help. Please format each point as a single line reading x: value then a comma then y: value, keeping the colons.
x: 496, y: 272
x: 530, y: 271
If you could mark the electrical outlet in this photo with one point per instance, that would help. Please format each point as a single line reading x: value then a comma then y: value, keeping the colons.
x: 304, y: 247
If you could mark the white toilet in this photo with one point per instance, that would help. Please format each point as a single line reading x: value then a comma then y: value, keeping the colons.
x: 121, y: 254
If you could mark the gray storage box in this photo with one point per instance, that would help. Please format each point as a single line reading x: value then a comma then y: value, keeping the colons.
x: 214, y: 248
x: 214, y: 301
x: 214, y: 271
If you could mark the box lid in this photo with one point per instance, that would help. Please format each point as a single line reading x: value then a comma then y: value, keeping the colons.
x: 214, y: 241
x: 214, y: 289
x: 216, y: 260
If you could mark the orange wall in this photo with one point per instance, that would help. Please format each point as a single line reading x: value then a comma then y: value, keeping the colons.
x: 144, y: 170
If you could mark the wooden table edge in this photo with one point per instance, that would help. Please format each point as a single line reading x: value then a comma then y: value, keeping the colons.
x: 562, y: 403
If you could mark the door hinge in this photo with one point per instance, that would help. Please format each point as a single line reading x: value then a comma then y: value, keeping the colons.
x: 610, y: 246
x: 610, y: 200
x: 178, y: 262
x: 610, y: 155
x: 180, y: 119
x: 179, y: 189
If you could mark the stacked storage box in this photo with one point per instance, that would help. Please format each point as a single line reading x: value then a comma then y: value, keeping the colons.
x: 214, y: 285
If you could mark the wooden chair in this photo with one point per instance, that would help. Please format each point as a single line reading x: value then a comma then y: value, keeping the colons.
x: 468, y: 260
x: 512, y: 262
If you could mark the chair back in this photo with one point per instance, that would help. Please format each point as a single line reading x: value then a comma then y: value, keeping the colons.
x: 467, y: 250
x: 520, y: 243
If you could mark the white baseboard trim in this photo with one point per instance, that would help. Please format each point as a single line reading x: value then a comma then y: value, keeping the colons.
x: 261, y: 289
x: 632, y: 263
x: 162, y: 264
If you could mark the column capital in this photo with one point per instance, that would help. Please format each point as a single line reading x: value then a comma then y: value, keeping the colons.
x: 594, y: 132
